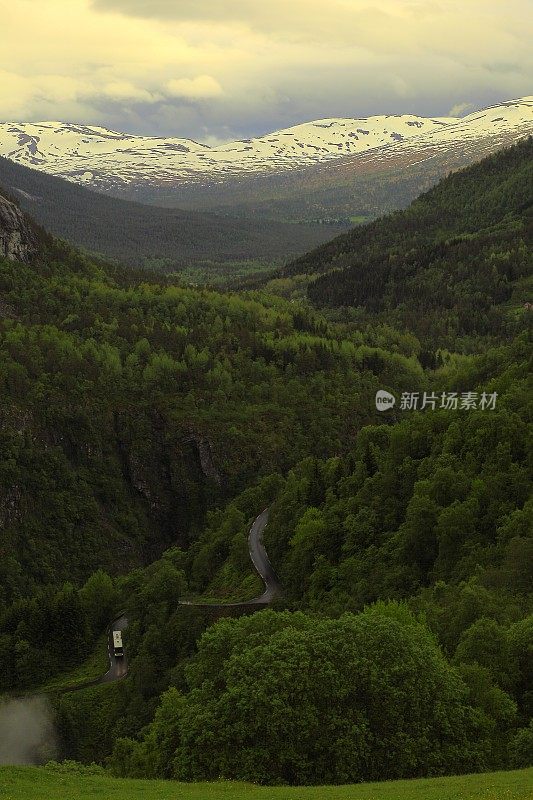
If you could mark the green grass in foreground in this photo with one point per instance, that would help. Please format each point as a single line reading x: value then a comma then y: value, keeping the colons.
x: 39, y: 783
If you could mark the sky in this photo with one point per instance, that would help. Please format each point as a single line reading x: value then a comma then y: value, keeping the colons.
x: 216, y: 70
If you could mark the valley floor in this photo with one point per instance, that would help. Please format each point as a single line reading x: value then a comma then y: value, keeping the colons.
x: 40, y: 783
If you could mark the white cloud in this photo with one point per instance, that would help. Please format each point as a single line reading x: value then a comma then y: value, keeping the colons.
x: 199, y: 87
x: 400, y: 86
x: 20, y: 94
x: 232, y: 68
x: 125, y: 90
x: 459, y: 109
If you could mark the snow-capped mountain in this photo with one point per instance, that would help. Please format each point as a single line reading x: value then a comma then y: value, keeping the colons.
x: 96, y: 155
x: 108, y: 160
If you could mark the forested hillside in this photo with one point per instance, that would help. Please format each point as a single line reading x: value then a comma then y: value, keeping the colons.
x: 142, y: 235
x: 129, y: 409
x: 355, y: 188
x: 409, y: 564
x: 447, y: 267
x: 146, y: 425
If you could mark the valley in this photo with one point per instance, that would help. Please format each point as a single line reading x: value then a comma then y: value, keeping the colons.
x: 266, y: 327
x: 146, y: 423
x: 158, y: 240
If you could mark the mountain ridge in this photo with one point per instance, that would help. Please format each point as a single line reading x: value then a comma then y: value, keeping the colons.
x: 111, y: 160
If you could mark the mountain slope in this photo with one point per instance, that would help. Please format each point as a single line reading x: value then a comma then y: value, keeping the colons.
x: 113, y: 161
x: 357, y: 187
x: 449, y: 264
x: 127, y: 409
x: 134, y: 233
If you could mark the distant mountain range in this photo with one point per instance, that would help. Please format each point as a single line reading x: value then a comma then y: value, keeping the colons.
x: 108, y: 159
x: 112, y: 161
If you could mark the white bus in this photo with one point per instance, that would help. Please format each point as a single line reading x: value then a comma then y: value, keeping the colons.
x: 118, y: 647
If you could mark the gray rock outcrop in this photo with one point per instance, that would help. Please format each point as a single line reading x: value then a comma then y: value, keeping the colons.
x: 17, y: 239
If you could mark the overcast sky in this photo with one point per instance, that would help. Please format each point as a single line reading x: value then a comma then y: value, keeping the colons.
x: 215, y: 70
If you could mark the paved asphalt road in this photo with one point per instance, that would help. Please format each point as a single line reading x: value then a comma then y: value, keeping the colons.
x: 262, y: 565
x: 261, y: 562
x: 118, y: 667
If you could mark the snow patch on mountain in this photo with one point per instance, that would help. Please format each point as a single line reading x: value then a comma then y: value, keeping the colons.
x: 107, y: 159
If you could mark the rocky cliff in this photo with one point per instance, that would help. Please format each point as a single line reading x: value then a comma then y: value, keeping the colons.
x: 17, y: 238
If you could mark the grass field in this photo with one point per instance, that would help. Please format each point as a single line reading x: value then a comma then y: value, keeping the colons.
x: 40, y: 783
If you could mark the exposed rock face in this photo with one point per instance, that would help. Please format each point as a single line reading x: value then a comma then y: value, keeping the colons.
x: 17, y: 239
x: 205, y: 456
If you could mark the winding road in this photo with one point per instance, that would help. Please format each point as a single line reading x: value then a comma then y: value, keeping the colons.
x: 118, y: 667
x: 261, y: 562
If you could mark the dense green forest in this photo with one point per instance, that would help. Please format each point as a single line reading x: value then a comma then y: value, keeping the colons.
x: 144, y: 235
x: 146, y: 424
x: 408, y: 564
x: 128, y: 410
x: 448, y: 267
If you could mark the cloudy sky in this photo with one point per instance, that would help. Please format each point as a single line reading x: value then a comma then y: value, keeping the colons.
x: 221, y: 69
